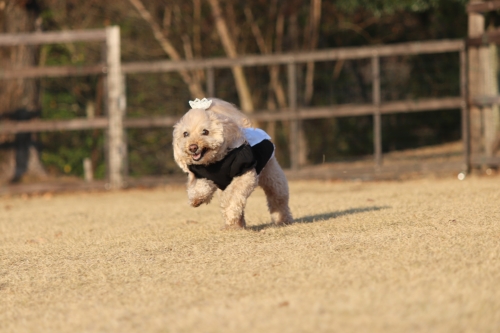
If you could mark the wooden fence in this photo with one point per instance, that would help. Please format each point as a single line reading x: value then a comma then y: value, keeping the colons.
x: 483, y: 92
x: 115, y: 92
x: 114, y: 71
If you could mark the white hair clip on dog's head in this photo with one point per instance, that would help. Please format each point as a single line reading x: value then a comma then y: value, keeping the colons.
x: 200, y: 104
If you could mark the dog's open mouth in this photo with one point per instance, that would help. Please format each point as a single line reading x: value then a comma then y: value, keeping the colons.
x: 199, y: 155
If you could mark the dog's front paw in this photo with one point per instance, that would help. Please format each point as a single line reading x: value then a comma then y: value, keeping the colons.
x: 200, y: 191
x: 196, y: 202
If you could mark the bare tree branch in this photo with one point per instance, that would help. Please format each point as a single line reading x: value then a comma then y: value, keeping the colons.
x: 255, y: 30
x: 188, y: 49
x: 197, y: 27
x: 230, y: 48
x: 312, y: 33
x: 274, y: 70
x: 194, y: 87
x: 167, y: 20
x: 280, y: 30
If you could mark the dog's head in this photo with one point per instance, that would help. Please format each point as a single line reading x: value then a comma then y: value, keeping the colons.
x: 204, y: 137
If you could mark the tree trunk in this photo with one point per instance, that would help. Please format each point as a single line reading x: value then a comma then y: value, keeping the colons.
x: 312, y: 35
x: 19, y: 99
x: 246, y: 103
x: 275, y: 84
x: 193, y: 84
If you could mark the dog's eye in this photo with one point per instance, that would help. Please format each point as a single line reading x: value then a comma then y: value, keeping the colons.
x: 205, y: 132
x: 186, y: 134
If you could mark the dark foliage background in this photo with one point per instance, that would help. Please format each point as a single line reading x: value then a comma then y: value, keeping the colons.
x: 343, y: 23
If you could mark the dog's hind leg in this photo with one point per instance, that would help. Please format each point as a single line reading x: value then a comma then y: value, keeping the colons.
x: 234, y: 198
x: 273, y: 181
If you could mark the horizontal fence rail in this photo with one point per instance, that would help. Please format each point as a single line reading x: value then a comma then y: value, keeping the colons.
x: 483, y: 7
x: 56, y: 37
x: 413, y: 48
x: 52, y: 71
x: 485, y: 39
x: 342, y: 110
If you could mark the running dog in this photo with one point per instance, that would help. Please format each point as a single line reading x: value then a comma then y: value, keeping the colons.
x: 217, y: 147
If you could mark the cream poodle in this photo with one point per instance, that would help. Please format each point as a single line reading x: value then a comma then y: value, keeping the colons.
x: 216, y: 146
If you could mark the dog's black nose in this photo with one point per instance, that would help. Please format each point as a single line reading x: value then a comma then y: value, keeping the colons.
x: 193, y: 148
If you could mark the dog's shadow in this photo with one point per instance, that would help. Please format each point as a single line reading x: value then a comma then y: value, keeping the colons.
x: 322, y: 217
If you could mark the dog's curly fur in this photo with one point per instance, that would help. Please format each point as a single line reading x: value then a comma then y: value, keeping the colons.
x: 214, y: 132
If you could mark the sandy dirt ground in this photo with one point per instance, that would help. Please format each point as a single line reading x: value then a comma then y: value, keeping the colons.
x: 412, y: 256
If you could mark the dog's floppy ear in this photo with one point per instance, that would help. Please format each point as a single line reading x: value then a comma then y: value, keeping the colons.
x: 178, y: 151
x: 231, y: 131
x: 229, y: 110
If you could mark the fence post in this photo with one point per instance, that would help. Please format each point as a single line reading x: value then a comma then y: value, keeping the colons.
x: 210, y: 82
x: 377, y: 123
x: 115, y: 97
x: 123, y: 110
x: 294, y: 123
x: 491, y: 117
x: 88, y: 174
x: 475, y: 86
x: 464, y: 109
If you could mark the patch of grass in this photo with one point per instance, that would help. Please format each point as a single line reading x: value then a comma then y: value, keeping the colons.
x: 413, y: 256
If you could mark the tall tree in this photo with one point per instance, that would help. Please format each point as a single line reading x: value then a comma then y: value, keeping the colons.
x: 193, y: 84
x: 19, y: 99
x: 230, y: 48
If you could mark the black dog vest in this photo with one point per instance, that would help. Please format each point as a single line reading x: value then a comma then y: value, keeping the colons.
x: 235, y: 163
